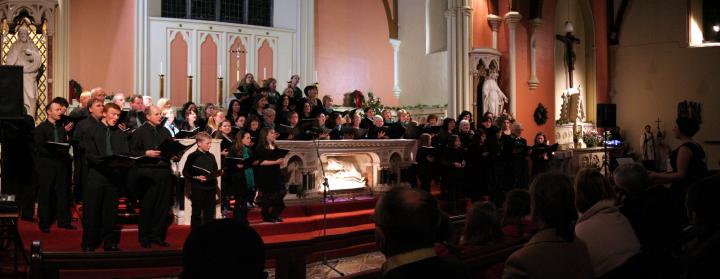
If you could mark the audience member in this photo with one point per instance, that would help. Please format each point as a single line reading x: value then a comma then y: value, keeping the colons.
x: 516, y: 219
x: 482, y: 226
x: 702, y: 253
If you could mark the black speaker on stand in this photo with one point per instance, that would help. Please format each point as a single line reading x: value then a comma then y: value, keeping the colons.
x: 606, y: 120
x: 11, y: 110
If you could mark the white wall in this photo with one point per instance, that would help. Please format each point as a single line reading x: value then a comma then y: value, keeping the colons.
x: 655, y: 70
x: 423, y: 77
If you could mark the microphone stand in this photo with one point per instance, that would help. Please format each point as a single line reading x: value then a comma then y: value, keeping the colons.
x: 326, y: 192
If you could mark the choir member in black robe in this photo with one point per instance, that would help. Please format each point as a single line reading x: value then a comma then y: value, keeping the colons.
x: 327, y: 105
x: 186, y: 109
x: 52, y: 161
x: 515, y: 153
x: 466, y: 115
x: 540, y: 155
x: 224, y: 134
x: 447, y: 130
x: 454, y: 174
x: 431, y: 126
x: 242, y: 176
x: 466, y: 134
x: 136, y: 116
x: 202, y: 169
x: 233, y: 111
x: 291, y: 131
x: 283, y: 110
x: 269, y: 178
x: 427, y: 161
x: 189, y: 127
x: 378, y: 131
x: 311, y: 96
x: 335, y: 124
x: 367, y: 122
x: 105, y: 177
x: 480, y: 165
x: 153, y: 176
x: 82, y: 130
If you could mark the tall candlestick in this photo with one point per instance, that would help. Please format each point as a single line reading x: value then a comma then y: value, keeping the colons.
x: 219, y: 90
x: 219, y: 74
x: 189, y: 88
x: 162, y: 86
x: 316, y: 79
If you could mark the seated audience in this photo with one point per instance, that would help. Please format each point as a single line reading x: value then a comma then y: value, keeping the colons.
x: 516, y: 219
x: 482, y: 226
x: 407, y: 222
x: 223, y: 247
x: 554, y: 252
x: 609, y: 236
x: 702, y: 252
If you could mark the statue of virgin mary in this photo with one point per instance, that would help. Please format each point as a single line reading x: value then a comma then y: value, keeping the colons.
x: 493, y: 98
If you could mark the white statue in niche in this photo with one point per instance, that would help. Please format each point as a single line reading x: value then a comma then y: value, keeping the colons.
x: 26, y: 54
x: 493, y: 98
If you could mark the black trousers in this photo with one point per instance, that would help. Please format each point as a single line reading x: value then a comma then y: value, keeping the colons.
x: 53, y: 198
x: 100, y: 203
x: 203, y: 205
x: 80, y: 176
x: 273, y: 203
x: 156, y: 185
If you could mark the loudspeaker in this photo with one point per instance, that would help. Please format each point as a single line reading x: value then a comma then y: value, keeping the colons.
x: 606, y: 116
x: 11, y: 92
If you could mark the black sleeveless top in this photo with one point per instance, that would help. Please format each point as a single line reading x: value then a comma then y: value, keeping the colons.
x: 697, y: 167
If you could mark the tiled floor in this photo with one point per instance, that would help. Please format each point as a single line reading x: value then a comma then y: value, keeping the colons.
x: 347, y: 266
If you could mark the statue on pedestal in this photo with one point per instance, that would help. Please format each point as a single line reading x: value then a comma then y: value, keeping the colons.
x: 493, y: 98
x: 26, y: 54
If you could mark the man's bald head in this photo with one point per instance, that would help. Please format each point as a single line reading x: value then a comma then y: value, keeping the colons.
x: 98, y: 93
x: 153, y: 115
x: 408, y: 219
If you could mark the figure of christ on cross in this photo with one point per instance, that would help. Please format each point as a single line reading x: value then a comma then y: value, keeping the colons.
x: 569, y: 40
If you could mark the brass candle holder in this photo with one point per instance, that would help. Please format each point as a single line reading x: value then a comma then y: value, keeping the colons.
x: 220, y: 91
x: 189, y: 88
x: 162, y: 85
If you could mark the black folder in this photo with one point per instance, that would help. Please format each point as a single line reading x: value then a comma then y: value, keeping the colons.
x: 65, y: 119
x: 187, y: 134
x: 120, y: 160
x: 208, y: 174
x: 171, y: 147
x: 123, y: 116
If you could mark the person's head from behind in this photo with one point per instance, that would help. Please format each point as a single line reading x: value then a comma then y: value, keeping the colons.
x: 203, y: 141
x: 482, y: 225
x: 552, y: 204
x: 405, y: 220
x: 224, y: 247
x: 685, y: 127
x: 516, y: 206
x: 702, y: 206
x: 591, y: 187
x: 631, y: 179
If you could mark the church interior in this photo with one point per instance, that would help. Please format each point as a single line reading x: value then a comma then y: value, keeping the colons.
x: 160, y: 138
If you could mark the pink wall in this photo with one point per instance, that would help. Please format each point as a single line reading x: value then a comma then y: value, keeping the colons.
x: 265, y: 62
x: 102, y: 43
x: 232, y: 75
x: 599, y: 9
x: 208, y: 68
x: 353, y: 49
x: 178, y: 72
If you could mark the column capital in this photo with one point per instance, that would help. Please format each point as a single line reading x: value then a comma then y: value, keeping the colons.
x: 512, y: 17
x: 395, y: 43
x: 494, y: 22
x: 449, y: 13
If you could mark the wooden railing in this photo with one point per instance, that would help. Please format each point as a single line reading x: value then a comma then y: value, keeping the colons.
x: 290, y: 257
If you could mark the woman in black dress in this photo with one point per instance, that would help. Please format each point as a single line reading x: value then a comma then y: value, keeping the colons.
x: 688, y: 164
x: 448, y: 129
x: 480, y: 164
x: 453, y: 162
x: 426, y: 161
x: 540, y: 155
x: 233, y: 111
x: 269, y: 178
x: 242, y: 177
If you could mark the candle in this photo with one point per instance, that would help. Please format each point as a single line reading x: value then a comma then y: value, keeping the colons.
x: 264, y: 73
x: 161, y: 68
x: 316, y: 79
x: 189, y: 69
x: 219, y: 74
x: 289, y: 74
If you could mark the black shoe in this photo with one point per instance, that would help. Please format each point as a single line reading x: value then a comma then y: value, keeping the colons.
x: 45, y: 230
x: 112, y: 247
x: 67, y: 227
x: 270, y: 220
x: 279, y: 219
x: 161, y: 243
x: 88, y: 249
x: 145, y: 244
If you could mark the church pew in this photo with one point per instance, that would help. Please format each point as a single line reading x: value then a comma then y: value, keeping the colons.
x: 290, y: 257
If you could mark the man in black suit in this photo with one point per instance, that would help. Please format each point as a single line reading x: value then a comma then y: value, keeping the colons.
x: 82, y: 130
x: 135, y: 117
x: 367, y: 122
x: 406, y: 224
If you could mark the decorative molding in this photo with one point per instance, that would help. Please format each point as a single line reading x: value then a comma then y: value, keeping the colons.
x: 396, y: 71
x: 511, y: 20
x: 494, y: 22
x: 533, y: 83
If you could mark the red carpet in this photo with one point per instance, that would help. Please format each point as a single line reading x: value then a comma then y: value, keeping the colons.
x: 301, y: 222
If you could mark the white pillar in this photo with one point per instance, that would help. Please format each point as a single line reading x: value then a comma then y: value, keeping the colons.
x: 307, y: 42
x: 396, y: 84
x: 451, y: 43
x: 533, y: 83
x: 141, y: 65
x: 494, y: 21
x: 511, y: 19
x: 465, y: 11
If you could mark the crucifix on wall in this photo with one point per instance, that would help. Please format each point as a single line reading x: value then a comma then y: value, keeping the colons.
x: 237, y: 53
x: 569, y: 40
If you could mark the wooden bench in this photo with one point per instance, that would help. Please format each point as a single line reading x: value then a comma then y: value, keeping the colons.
x: 290, y: 257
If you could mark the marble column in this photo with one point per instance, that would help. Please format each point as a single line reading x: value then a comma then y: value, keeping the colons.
x: 464, y: 38
x: 494, y: 22
x: 396, y: 84
x: 533, y: 83
x: 451, y: 53
x: 511, y: 20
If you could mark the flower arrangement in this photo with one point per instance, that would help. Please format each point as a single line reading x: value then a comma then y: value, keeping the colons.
x: 592, y: 138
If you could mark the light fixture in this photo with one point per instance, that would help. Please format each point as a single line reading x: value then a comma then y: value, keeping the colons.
x: 716, y: 27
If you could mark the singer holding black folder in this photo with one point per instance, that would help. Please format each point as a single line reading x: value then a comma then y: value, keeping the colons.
x: 238, y: 164
x: 100, y: 195
x: 52, y: 160
x: 153, y: 176
x: 202, y: 171
x: 268, y: 175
